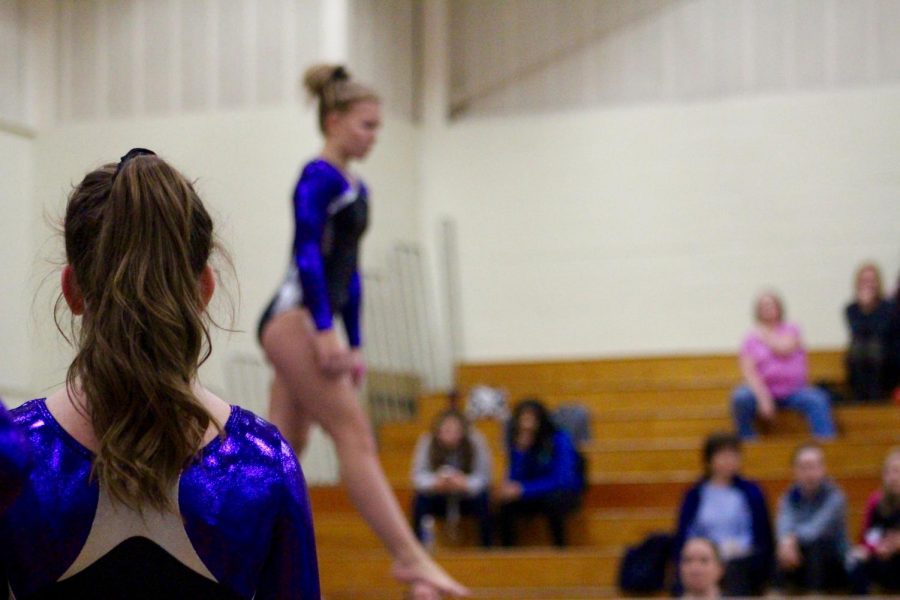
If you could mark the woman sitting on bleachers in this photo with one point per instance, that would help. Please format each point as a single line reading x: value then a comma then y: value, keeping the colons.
x: 732, y: 512
x: 775, y: 371
x: 868, y: 318
x: 701, y: 569
x: 878, y: 555
x: 451, y: 474
x: 543, y: 477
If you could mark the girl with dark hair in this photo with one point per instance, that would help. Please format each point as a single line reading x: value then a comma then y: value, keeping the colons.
x: 732, y: 512
x: 317, y: 375
x: 144, y: 484
x: 451, y: 473
x: 543, y: 473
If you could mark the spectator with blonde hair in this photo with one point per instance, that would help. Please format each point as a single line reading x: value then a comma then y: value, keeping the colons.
x: 773, y: 362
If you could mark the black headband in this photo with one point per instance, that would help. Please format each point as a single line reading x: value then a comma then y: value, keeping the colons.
x: 131, y: 154
x: 340, y: 74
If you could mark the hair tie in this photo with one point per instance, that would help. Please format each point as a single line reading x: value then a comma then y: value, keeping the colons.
x: 129, y: 155
x: 340, y: 74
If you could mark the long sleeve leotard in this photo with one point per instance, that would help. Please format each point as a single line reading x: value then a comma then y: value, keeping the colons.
x: 330, y: 217
x: 241, y: 526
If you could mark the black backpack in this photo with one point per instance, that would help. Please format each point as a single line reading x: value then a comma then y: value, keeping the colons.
x: 643, y: 568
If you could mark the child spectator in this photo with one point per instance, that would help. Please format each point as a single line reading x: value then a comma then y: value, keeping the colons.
x: 811, y: 526
x: 451, y: 473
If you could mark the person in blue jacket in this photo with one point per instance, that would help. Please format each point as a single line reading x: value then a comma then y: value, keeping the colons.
x: 731, y: 511
x: 543, y: 477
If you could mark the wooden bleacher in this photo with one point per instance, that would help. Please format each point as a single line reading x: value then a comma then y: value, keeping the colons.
x: 649, y: 418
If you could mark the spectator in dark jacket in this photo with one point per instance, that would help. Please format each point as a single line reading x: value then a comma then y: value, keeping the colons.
x: 868, y: 318
x: 543, y: 473
x: 730, y: 511
x: 811, y: 526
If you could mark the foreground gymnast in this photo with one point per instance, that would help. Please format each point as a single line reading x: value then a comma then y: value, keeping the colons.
x: 317, y: 377
x: 144, y: 484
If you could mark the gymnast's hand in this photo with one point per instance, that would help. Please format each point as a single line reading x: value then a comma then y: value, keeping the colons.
x: 357, y: 367
x: 332, y: 355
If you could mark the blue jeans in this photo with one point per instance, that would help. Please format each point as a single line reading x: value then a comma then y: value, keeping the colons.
x: 808, y: 400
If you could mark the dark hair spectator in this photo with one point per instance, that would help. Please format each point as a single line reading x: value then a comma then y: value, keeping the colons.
x: 451, y: 474
x: 773, y: 363
x: 811, y: 526
x: 730, y: 511
x: 868, y: 318
x: 543, y: 473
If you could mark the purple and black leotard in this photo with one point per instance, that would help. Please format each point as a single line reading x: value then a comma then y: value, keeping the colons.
x: 240, y: 527
x: 330, y: 217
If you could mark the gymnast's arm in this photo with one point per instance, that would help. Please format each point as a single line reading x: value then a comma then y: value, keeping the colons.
x: 291, y: 570
x: 315, y: 190
x: 352, y: 311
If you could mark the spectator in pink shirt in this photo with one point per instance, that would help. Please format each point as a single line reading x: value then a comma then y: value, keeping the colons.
x: 773, y: 363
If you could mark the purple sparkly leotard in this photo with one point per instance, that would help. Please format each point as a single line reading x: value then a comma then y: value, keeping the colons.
x: 330, y: 217
x: 14, y: 459
x: 243, y: 528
